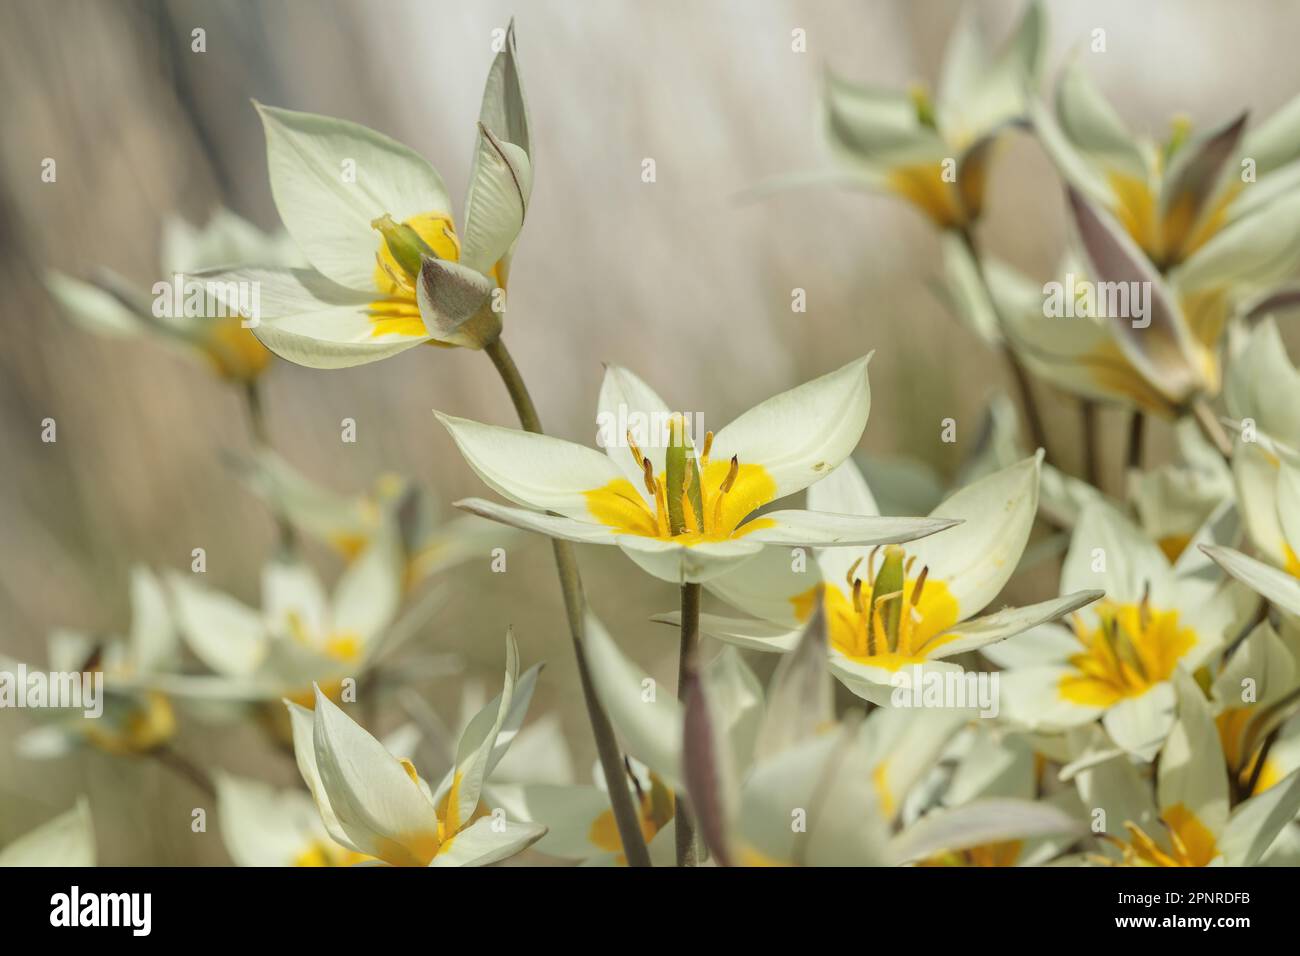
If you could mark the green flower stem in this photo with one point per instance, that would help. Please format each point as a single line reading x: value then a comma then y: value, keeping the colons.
x: 566, y: 564
x: 1034, y: 420
x: 684, y: 825
x: 287, y: 539
x: 1211, y: 429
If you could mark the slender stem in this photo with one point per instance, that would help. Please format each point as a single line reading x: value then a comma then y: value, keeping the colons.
x: 690, y: 643
x: 182, y: 766
x: 287, y: 538
x: 1033, y: 419
x: 566, y: 565
x: 1211, y: 428
x: 1091, y: 458
x: 1137, y: 433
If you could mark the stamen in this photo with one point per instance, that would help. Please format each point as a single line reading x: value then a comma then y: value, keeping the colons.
x: 907, y: 565
x: 399, y: 280
x: 648, y: 473
x: 871, y: 563
x: 708, y: 447
x: 636, y: 451
x: 851, y: 576
x: 919, y: 586
x: 857, y: 595
x: 727, y: 484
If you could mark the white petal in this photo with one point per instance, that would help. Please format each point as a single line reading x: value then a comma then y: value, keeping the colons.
x: 569, y: 813
x: 1141, y: 724
x: 1000, y: 625
x: 381, y: 809
x: 1276, y: 585
x: 1128, y: 559
x: 749, y: 633
x: 646, y: 716
x: 627, y: 404
x: 678, y: 564
x: 262, y: 826
x: 820, y: 529
x: 801, y: 435
x: 475, y: 749
x: 67, y: 840
x: 501, y: 182
x: 536, y: 471
x: 977, y: 558
x: 369, y: 592
x: 766, y: 585
x: 1255, y: 824
x: 553, y: 526
x: 93, y: 308
x: 489, y: 841
x: 329, y: 217
x: 1031, y: 698
x: 1045, y: 644
x: 1192, y: 770
x: 989, y: 820
x: 844, y: 491
x: 225, y: 634
x: 153, y: 639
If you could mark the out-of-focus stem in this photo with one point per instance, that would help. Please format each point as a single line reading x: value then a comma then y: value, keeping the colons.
x: 1211, y: 428
x: 683, y: 824
x: 286, y: 538
x: 1091, y: 462
x: 1136, y: 440
x: 566, y: 565
x: 1033, y: 420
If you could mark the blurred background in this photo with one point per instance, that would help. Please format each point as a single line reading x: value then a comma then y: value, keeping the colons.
x: 675, y: 279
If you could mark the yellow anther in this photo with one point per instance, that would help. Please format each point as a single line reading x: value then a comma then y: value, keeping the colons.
x: 730, y: 481
x: 857, y: 595
x: 708, y: 447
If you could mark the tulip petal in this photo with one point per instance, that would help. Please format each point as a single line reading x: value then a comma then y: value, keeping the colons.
x: 501, y: 182
x: 820, y: 529
x: 1276, y: 585
x: 67, y: 840
x: 984, y: 821
x: 750, y: 633
x: 680, y: 564
x: 629, y: 403
x: 801, y: 435
x: 1141, y: 725
x: 646, y: 716
x: 977, y: 558
x: 1192, y: 772
x: 488, y: 841
x: 226, y: 635
x: 1256, y: 823
x: 303, y: 724
x: 383, y: 811
x: 328, y: 212
x: 536, y: 471
x: 553, y: 526
x: 974, y: 634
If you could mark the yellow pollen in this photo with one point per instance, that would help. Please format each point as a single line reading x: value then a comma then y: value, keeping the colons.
x: 1132, y: 647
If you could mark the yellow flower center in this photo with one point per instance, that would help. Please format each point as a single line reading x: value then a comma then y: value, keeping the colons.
x: 1002, y: 853
x: 328, y: 853
x: 1170, y: 239
x: 654, y: 809
x: 1132, y: 647
x: 707, y: 502
x: 234, y: 350
x: 398, y: 313
x: 890, y: 618
x: 149, y: 724
x: 1190, y: 842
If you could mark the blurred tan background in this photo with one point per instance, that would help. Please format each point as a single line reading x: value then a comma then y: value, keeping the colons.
x: 674, y: 279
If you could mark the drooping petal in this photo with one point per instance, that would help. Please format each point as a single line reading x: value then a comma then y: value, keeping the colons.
x: 330, y: 178
x: 799, y: 436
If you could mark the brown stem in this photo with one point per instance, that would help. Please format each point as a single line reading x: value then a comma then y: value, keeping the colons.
x: 566, y: 565
x: 1136, y: 440
x: 182, y: 766
x: 1091, y: 458
x: 686, y: 654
